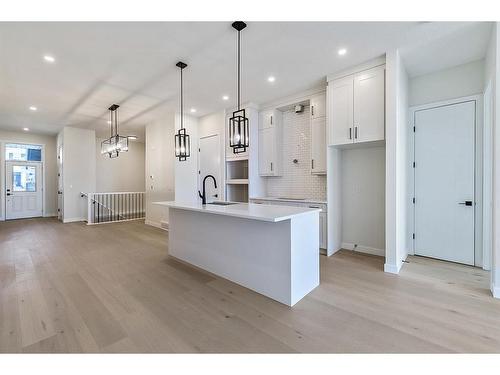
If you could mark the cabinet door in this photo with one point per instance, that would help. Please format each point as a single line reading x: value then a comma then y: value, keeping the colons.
x: 369, y: 105
x: 340, y: 101
x: 322, y: 230
x: 318, y: 106
x: 267, y: 119
x: 318, y: 145
x: 266, y: 141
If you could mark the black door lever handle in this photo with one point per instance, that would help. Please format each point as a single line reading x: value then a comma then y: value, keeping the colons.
x: 466, y: 203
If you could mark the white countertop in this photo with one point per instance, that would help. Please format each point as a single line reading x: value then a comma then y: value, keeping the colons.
x: 244, y: 210
x: 284, y: 199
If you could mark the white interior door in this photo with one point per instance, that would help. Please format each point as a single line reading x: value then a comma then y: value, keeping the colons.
x: 444, y: 182
x: 209, y: 162
x: 23, y: 190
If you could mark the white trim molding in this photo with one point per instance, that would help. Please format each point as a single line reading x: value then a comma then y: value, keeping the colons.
x: 363, y: 249
x: 391, y: 268
x: 161, y: 225
x: 74, y: 219
x: 495, y: 290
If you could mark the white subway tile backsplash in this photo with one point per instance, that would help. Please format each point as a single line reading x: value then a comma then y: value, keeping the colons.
x: 297, y: 180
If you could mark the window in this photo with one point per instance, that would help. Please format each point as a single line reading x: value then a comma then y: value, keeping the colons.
x: 22, y: 152
x: 23, y: 178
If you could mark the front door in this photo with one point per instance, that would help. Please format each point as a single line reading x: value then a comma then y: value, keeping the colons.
x: 23, y: 189
x: 444, y: 182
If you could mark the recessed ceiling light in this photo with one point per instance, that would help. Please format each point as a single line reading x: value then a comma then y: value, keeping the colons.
x: 49, y: 58
x: 132, y: 137
x: 33, y: 108
x: 26, y: 129
x: 109, y: 122
x: 225, y: 97
x: 342, y: 51
x: 193, y: 110
x: 271, y: 79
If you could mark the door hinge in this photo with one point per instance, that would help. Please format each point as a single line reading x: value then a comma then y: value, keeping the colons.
x: 413, y: 200
x: 413, y: 236
x: 199, y: 150
x: 413, y: 164
x: 414, y: 128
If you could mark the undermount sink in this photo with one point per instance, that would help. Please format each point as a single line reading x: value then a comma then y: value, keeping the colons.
x: 222, y: 203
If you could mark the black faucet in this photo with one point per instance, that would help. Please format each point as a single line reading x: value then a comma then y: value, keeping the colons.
x: 204, y: 195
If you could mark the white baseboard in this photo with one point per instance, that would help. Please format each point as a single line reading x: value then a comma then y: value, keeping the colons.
x: 160, y: 225
x: 49, y: 214
x: 73, y: 219
x: 363, y: 249
x: 392, y: 268
x: 495, y: 290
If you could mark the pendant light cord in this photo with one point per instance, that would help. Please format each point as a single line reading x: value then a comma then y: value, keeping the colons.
x: 239, y: 88
x: 182, y: 115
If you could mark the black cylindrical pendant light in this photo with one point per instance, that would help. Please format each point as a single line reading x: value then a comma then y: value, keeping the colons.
x: 182, y: 143
x: 238, y: 123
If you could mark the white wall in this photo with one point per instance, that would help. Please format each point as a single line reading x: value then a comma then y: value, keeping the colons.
x: 49, y: 141
x: 363, y: 199
x: 159, y: 169
x: 124, y: 173
x: 209, y: 125
x: 491, y: 72
x: 456, y: 82
x: 297, y: 180
x: 397, y: 167
x: 79, y: 171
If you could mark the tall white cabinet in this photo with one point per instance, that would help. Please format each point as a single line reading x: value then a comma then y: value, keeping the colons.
x: 318, y: 134
x: 271, y: 143
x: 357, y: 108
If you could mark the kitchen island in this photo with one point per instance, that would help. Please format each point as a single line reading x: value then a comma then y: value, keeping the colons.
x: 272, y: 250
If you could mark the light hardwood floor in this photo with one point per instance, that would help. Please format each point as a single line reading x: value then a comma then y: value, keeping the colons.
x: 112, y: 288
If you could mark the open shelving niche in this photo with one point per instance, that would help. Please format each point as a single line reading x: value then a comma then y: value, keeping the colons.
x: 242, y: 176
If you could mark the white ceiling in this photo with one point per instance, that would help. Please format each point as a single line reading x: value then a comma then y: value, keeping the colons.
x: 133, y: 64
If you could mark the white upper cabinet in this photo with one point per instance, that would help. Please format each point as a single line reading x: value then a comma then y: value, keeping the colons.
x: 318, y: 133
x: 369, y: 105
x: 268, y: 119
x: 318, y: 106
x: 270, y: 143
x: 356, y: 106
x: 341, y: 103
x: 318, y: 145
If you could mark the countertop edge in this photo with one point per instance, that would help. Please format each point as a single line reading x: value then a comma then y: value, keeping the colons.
x: 277, y: 219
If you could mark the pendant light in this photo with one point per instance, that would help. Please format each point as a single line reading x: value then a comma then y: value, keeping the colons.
x: 115, y: 143
x: 182, y: 143
x: 238, y: 123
